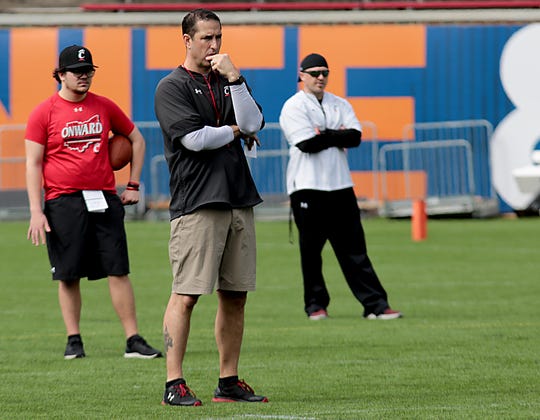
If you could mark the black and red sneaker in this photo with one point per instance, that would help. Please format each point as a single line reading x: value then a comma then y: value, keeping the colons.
x: 180, y: 394
x: 237, y: 392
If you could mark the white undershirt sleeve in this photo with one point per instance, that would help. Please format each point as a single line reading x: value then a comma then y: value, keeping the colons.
x: 248, y: 116
x: 208, y: 138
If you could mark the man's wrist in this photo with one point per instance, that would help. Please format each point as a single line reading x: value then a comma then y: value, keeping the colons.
x: 236, y: 131
x: 237, y: 80
x: 132, y: 186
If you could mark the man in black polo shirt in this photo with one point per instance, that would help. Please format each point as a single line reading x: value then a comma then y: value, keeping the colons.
x: 205, y: 110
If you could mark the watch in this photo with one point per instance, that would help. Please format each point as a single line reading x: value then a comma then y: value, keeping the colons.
x: 238, y: 81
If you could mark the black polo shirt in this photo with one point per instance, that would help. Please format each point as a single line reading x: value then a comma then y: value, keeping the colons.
x: 185, y: 102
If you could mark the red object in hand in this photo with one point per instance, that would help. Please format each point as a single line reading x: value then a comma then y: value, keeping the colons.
x: 120, y: 151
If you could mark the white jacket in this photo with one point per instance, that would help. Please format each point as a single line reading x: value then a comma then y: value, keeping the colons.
x: 301, y: 118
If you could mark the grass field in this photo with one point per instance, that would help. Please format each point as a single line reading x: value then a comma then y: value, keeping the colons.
x: 468, y: 346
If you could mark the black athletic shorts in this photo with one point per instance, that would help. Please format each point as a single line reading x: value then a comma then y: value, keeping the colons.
x: 84, y: 244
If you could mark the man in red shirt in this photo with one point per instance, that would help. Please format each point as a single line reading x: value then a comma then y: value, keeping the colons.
x: 82, y: 220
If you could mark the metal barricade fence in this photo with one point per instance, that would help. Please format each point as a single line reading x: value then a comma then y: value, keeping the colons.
x: 155, y: 174
x: 12, y: 156
x: 441, y: 172
x: 477, y: 132
x: 364, y: 159
x: 269, y: 171
x: 13, y: 197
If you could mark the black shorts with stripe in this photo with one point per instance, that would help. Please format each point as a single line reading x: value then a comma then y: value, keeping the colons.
x: 85, y: 244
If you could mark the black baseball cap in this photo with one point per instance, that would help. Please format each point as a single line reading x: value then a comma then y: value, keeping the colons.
x: 74, y: 57
x: 312, y: 60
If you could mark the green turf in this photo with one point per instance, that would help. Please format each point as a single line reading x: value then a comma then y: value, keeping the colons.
x: 468, y: 346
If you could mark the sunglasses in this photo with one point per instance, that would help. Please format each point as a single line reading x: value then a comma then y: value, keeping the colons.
x: 317, y: 73
x: 88, y: 72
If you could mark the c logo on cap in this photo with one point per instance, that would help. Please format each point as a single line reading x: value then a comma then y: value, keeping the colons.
x: 80, y: 54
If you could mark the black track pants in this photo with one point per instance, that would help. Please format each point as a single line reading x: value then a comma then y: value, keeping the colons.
x: 335, y: 216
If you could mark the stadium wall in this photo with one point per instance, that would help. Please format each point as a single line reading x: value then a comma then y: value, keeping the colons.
x: 393, y: 74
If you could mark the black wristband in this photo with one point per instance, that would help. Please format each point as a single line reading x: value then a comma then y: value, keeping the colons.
x: 238, y: 81
x: 132, y: 186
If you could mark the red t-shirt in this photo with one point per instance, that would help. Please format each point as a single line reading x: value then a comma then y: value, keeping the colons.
x: 76, y: 139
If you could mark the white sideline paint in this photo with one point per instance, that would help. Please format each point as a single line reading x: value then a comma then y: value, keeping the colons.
x: 277, y: 417
x: 259, y: 416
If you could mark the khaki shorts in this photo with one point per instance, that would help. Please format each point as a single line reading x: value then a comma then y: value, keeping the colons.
x: 213, y: 246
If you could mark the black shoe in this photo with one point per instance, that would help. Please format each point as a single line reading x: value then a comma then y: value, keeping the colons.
x: 74, y: 349
x: 238, y: 392
x: 137, y: 347
x: 180, y: 394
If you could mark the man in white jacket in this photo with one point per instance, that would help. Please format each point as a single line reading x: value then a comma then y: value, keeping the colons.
x: 319, y: 126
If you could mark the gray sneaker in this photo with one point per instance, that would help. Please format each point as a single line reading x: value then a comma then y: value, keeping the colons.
x: 74, y: 349
x: 138, y: 348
